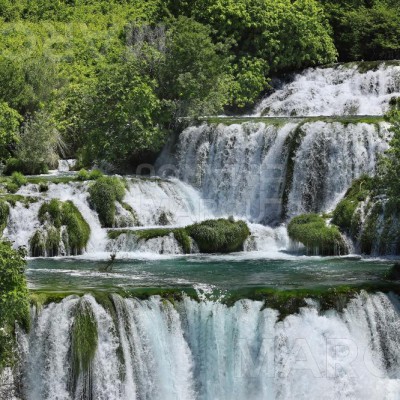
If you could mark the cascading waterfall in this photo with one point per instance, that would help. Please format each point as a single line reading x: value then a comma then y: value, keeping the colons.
x: 255, y: 170
x: 339, y: 90
x: 152, y: 349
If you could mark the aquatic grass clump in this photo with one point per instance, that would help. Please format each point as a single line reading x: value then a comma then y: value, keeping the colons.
x: 318, y: 238
x: 104, y: 192
x: 219, y: 236
x: 84, y: 341
x: 61, y: 222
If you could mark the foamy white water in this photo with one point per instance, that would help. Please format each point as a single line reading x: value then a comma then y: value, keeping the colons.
x: 341, y: 90
x: 206, y: 350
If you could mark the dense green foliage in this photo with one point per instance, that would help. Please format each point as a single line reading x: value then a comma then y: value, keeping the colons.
x: 53, y: 216
x: 365, y: 29
x: 104, y: 192
x: 318, y: 238
x: 14, y: 303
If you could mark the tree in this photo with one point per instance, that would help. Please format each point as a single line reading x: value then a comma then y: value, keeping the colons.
x: 121, y: 116
x: 40, y: 143
x: 9, y: 126
x: 194, y: 78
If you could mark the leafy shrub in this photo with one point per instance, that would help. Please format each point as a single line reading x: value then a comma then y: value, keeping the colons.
x: 83, y: 175
x: 4, y: 212
x: 18, y: 179
x: 219, y: 236
x: 103, y: 195
x: 14, y: 303
x: 318, y: 238
x: 95, y: 174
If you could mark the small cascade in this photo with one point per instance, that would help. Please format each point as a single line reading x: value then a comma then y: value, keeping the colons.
x: 340, y: 90
x: 165, y: 202
x: 151, y: 349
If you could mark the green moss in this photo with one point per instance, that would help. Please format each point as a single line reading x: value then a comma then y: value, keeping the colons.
x: 219, y: 236
x: 77, y: 228
x: 344, y: 215
x: 53, y: 216
x: 12, y: 199
x: 128, y: 208
x: 37, y: 244
x: 4, y: 212
x: 369, y: 234
x: 292, y: 144
x: 84, y: 339
x: 318, y: 238
x: 212, y: 236
x: 183, y: 239
x: 104, y: 192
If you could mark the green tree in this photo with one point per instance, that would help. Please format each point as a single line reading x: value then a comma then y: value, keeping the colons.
x: 14, y: 303
x: 121, y: 116
x: 194, y: 78
x: 40, y: 143
x: 9, y: 126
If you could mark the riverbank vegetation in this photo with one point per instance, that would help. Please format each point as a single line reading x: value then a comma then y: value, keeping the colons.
x: 14, y: 300
x: 107, y: 81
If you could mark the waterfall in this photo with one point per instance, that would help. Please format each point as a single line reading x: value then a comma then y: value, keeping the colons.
x: 152, y: 349
x: 340, y: 90
x: 259, y: 171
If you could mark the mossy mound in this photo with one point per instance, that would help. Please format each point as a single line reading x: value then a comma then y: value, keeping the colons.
x: 212, y: 236
x: 220, y: 235
x: 63, y: 230
x: 104, y: 192
x: 318, y: 238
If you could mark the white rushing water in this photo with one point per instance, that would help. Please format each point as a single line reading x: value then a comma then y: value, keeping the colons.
x: 340, y: 90
x: 150, y: 349
x: 244, y: 170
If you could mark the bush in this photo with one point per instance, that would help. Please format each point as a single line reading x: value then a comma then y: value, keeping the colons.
x: 14, y: 303
x: 18, y: 179
x: 219, y: 236
x: 16, y: 165
x: 95, y: 174
x: 103, y: 195
x: 318, y: 238
x: 83, y: 175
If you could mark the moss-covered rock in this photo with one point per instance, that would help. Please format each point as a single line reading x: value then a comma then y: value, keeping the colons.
x: 63, y: 227
x: 318, y: 238
x: 219, y: 236
x: 104, y: 192
x: 212, y: 236
x: 344, y: 215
